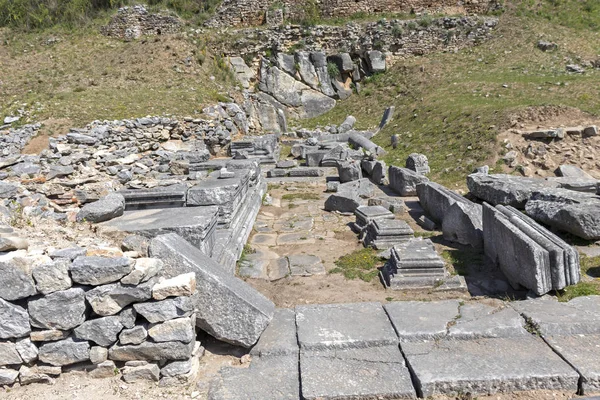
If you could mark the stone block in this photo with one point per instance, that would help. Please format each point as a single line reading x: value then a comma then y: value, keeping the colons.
x: 279, y: 339
x: 552, y: 318
x: 105, y: 209
x: 15, y: 321
x: 583, y: 353
x: 195, y: 224
x: 181, y: 285
x: 171, y: 308
x: 99, y: 270
x: 148, y: 372
x: 111, y: 299
x: 418, y: 321
x: 9, y: 354
x: 338, y: 326
x: 506, y: 189
x: 487, y: 366
x: 369, y: 373
x: 273, y: 378
x: 152, y: 351
x: 180, y: 329
x: 227, y: 308
x: 63, y: 310
x: 404, y: 181
x: 102, y: 331
x: 65, y: 352
x: 16, y: 281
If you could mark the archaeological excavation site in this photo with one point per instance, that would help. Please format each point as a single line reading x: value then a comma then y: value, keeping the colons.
x: 300, y: 199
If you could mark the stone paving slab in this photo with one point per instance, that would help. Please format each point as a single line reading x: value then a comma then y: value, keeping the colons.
x: 486, y: 366
x: 417, y: 320
x: 583, y: 353
x: 305, y: 265
x: 488, y: 323
x: 329, y: 326
x: 279, y: 339
x: 272, y: 378
x: 553, y: 318
x: 367, y: 373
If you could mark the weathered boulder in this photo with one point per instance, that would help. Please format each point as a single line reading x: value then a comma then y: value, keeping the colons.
x: 506, y: 189
x: 404, y: 181
x: 350, y: 196
x: 62, y: 310
x: 418, y: 163
x: 16, y: 281
x: 15, y: 321
x: 349, y: 171
x: 227, y: 308
x: 567, y: 210
x: 65, y: 352
x: 105, y: 209
x: 99, y: 270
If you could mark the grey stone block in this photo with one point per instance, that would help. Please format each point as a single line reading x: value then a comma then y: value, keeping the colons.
x: 552, y: 318
x: 15, y: 321
x: 27, y: 350
x: 105, y: 209
x: 65, y: 352
x: 314, y: 158
x: 279, y: 339
x: 488, y: 322
x: 463, y: 224
x: 102, y: 331
x: 135, y: 335
x: 16, y: 282
x: 195, y: 224
x: 567, y: 210
x: 63, y: 310
x: 306, y: 172
x: 369, y: 373
x: 273, y: 378
x: 53, y: 276
x: 404, y: 181
x: 152, y: 351
x: 418, y: 321
x: 148, y: 372
x: 8, y: 376
x: 159, y: 311
x: 9, y: 354
x: 99, y: 270
x: 338, y: 326
x: 111, y: 299
x: 506, y: 189
x: 485, y: 366
x: 583, y: 353
x: 227, y: 308
x: 180, y: 329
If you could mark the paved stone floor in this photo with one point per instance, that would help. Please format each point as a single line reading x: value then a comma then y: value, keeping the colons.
x: 421, y: 349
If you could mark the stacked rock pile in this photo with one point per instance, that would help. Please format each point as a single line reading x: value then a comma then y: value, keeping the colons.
x: 104, y: 314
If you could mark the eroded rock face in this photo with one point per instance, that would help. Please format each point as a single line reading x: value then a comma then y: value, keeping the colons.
x: 574, y: 212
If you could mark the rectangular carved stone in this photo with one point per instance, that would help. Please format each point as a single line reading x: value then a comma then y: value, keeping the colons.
x: 227, y: 308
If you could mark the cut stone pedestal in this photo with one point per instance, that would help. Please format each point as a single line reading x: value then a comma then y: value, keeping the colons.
x: 366, y: 214
x: 415, y: 264
x: 385, y: 233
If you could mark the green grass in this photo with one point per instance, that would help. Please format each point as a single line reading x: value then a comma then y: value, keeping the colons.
x: 300, y: 196
x: 426, y: 234
x: 86, y: 76
x: 451, y: 106
x: 361, y: 264
x: 461, y: 261
x: 590, y: 268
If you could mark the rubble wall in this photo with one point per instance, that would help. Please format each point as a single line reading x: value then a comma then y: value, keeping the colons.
x: 254, y: 12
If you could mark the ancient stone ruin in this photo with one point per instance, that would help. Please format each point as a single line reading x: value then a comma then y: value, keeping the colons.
x: 134, y: 22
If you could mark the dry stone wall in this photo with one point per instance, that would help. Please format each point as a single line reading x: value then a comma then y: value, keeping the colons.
x: 255, y: 12
x: 133, y: 22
